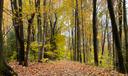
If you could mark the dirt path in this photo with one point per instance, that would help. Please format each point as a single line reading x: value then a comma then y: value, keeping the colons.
x: 62, y: 68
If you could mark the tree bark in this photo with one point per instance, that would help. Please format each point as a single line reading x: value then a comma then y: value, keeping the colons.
x: 53, y: 26
x: 5, y: 70
x: 18, y: 25
x: 125, y: 31
x: 14, y: 7
x: 125, y: 28
x: 39, y: 23
x: 29, y: 32
x: 21, y: 32
x: 44, y: 29
x: 120, y: 13
x: 116, y: 37
x: 78, y: 41
x: 104, y: 38
x: 95, y: 33
x: 83, y: 34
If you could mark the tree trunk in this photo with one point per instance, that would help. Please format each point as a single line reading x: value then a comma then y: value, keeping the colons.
x: 95, y: 40
x: 83, y: 34
x: 75, y: 41
x: 116, y: 37
x: 21, y: 52
x: 18, y: 25
x: 125, y: 31
x: 5, y: 70
x: 37, y: 5
x: 53, y: 28
x: 44, y: 28
x: 29, y: 32
x: 104, y: 38
x: 120, y: 13
x: 78, y: 42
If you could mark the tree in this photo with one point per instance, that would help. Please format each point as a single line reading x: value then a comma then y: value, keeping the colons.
x: 78, y: 41
x: 21, y: 52
x: 95, y: 40
x: 18, y: 25
x: 37, y: 5
x: 125, y: 29
x: 29, y: 32
x: 120, y: 13
x: 15, y: 14
x: 83, y: 34
x: 5, y: 70
x: 116, y: 37
x: 44, y: 28
x: 53, y: 26
x: 104, y: 37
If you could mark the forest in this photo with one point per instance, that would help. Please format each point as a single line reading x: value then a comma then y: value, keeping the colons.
x: 63, y: 37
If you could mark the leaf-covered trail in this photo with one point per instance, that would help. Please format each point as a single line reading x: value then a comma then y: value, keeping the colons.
x: 61, y: 68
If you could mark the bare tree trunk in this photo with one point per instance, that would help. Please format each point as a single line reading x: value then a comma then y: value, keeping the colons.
x: 5, y: 70
x: 18, y: 25
x: 75, y: 39
x: 37, y: 5
x: 69, y: 43
x: 78, y: 33
x: 83, y: 34
x: 22, y: 54
x: 120, y: 13
x: 44, y: 29
x: 116, y: 37
x: 13, y: 7
x: 53, y: 26
x: 29, y: 32
x: 74, y: 34
x: 125, y: 31
x: 104, y: 38
x: 95, y: 33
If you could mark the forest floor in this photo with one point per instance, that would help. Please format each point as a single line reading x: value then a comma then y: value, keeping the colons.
x: 62, y: 68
